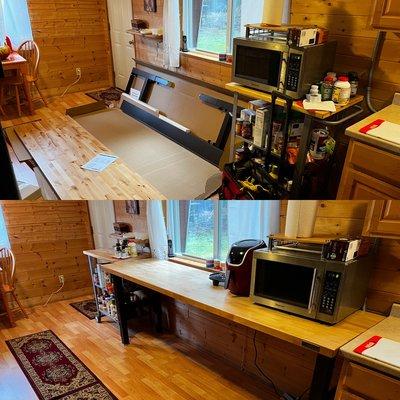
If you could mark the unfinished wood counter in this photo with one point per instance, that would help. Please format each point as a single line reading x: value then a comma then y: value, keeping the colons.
x: 192, y: 286
x: 59, y: 147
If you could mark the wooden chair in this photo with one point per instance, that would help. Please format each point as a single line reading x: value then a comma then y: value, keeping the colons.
x: 7, y: 287
x: 30, y: 51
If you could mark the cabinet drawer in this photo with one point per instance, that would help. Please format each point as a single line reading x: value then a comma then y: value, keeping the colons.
x: 348, y: 396
x: 372, y: 385
x: 378, y: 163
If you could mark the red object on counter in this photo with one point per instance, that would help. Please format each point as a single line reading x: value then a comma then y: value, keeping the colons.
x: 372, y: 125
x: 368, y: 344
x: 9, y: 43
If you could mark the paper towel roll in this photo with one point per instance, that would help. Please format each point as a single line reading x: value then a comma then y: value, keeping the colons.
x: 292, y: 218
x: 308, y: 216
x: 275, y: 12
x: 300, y: 218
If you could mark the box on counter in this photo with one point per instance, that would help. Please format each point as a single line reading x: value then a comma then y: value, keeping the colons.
x: 342, y: 249
x: 302, y: 37
x: 257, y: 104
x: 248, y: 115
x: 263, y: 120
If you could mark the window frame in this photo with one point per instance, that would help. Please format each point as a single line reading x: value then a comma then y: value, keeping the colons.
x: 173, y: 227
x: 187, y: 18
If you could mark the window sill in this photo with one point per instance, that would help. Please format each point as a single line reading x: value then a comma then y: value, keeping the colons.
x: 205, y: 56
x: 193, y: 264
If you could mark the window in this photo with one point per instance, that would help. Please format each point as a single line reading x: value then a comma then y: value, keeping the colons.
x: 15, y: 21
x: 4, y: 242
x: 207, y: 229
x: 211, y: 25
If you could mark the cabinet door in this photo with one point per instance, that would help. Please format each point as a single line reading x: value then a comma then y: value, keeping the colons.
x: 356, y: 185
x: 386, y: 15
x: 383, y: 219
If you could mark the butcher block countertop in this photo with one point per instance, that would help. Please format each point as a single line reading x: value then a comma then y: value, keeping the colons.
x: 388, y: 329
x: 192, y: 286
x: 60, y: 146
x: 390, y: 114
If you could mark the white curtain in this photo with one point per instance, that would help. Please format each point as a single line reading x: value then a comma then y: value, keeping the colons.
x: 15, y: 21
x: 172, y: 34
x: 252, y: 220
x: 157, y: 230
x: 4, y: 241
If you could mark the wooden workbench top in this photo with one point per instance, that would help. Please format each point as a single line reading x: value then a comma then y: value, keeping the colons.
x: 255, y: 94
x: 390, y: 114
x: 193, y: 287
x: 60, y: 146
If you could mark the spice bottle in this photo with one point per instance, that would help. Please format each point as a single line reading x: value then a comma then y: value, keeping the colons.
x: 342, y: 91
x: 327, y: 88
x: 353, y: 77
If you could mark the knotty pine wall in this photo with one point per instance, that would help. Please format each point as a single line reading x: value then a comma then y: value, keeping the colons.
x: 48, y: 239
x: 72, y: 34
x: 138, y: 222
x: 347, y: 21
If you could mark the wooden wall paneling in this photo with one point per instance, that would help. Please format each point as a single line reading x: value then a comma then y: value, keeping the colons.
x: 290, y: 366
x: 48, y: 239
x: 72, y: 34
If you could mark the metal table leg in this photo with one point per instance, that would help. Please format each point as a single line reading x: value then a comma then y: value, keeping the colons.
x: 157, y: 312
x: 121, y: 308
x: 322, y: 377
x: 302, y: 158
x: 233, y: 131
x: 92, y: 265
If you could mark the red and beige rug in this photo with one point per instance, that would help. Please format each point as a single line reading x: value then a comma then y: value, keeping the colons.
x: 87, y: 307
x: 53, y: 371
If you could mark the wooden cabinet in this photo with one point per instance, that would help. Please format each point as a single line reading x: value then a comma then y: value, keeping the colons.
x: 383, y: 219
x: 360, y: 383
x: 369, y: 174
x: 386, y: 15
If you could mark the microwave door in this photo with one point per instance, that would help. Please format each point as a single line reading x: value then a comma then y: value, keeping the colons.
x: 287, y: 287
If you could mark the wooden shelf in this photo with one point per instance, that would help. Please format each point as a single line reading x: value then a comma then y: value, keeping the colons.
x: 313, y: 240
x: 151, y: 37
x: 257, y: 95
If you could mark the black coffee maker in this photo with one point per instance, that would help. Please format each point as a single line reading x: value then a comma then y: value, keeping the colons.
x: 239, y: 266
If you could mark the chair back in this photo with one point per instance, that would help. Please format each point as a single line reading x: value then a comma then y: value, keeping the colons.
x: 30, y: 51
x: 7, y: 267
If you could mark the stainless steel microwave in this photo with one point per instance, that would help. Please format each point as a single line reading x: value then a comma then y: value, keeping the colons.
x: 269, y: 64
x: 307, y: 286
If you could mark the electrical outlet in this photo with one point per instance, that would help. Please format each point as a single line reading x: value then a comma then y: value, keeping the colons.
x: 78, y: 72
x: 61, y: 279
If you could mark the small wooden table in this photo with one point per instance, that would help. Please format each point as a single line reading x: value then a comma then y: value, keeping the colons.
x: 192, y: 286
x: 18, y: 63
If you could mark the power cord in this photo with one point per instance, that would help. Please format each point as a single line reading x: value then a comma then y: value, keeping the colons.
x: 54, y: 293
x: 79, y: 77
x: 268, y: 378
x: 259, y: 368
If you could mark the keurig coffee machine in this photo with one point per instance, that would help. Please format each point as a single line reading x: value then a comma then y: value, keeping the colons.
x: 239, y: 266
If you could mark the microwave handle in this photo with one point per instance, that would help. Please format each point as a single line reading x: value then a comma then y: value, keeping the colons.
x: 311, y: 304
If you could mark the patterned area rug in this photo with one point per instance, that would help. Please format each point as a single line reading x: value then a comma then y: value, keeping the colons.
x: 109, y: 96
x: 53, y: 371
x: 87, y: 308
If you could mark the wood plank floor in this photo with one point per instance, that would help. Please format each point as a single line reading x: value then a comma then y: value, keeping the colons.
x: 152, y: 367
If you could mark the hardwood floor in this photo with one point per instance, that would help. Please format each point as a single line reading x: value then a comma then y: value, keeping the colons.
x: 152, y: 367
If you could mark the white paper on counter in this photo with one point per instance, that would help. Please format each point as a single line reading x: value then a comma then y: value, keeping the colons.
x: 100, y: 162
x: 387, y: 351
x: 319, y: 106
x: 387, y: 131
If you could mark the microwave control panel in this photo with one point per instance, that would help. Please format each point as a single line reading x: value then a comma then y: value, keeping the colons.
x: 330, y: 291
x: 293, y: 74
